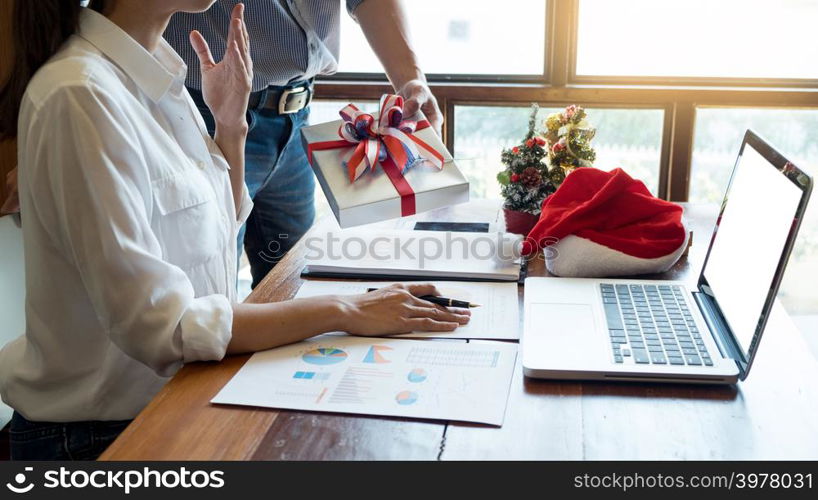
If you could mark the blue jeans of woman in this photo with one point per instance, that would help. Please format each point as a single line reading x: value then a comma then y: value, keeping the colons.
x: 280, y: 181
x: 61, y: 441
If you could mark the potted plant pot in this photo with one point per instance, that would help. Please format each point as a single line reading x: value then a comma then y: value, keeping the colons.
x: 519, y: 222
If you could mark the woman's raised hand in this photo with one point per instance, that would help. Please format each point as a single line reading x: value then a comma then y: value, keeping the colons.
x: 226, y: 85
x: 397, y: 309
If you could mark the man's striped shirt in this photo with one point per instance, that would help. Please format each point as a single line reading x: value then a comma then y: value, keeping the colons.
x: 290, y: 40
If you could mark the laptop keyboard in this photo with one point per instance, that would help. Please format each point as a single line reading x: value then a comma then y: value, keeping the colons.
x: 652, y: 324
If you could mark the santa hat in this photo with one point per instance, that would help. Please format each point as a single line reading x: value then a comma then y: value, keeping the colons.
x: 604, y: 224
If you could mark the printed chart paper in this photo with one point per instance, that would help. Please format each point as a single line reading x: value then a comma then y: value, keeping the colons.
x: 380, y: 376
x: 497, y: 318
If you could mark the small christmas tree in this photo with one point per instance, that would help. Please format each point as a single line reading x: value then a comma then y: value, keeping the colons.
x: 525, y: 181
x: 536, y: 168
x: 569, y: 142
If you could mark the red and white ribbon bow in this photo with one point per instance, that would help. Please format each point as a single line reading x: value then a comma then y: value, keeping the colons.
x: 388, y: 136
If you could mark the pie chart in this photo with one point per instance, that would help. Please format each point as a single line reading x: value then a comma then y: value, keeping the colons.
x: 375, y: 354
x: 406, y: 398
x: 417, y: 375
x: 324, y: 356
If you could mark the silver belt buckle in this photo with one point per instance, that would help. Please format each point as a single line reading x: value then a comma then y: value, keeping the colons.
x: 300, y: 96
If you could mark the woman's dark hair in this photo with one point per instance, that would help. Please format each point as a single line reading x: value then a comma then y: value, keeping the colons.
x: 39, y: 28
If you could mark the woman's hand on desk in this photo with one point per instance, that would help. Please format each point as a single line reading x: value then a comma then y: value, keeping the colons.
x: 389, y: 310
x: 397, y: 309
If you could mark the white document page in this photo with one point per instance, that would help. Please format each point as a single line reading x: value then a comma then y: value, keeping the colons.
x: 378, y: 376
x: 440, y: 254
x: 497, y: 317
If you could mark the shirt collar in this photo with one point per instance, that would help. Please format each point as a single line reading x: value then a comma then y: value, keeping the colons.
x: 155, y: 74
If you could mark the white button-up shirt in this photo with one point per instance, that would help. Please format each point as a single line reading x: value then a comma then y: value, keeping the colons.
x: 129, y: 228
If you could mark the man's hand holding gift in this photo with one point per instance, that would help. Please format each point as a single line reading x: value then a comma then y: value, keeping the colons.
x: 418, y: 96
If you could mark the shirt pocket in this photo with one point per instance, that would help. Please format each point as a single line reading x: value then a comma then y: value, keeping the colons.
x: 189, y: 224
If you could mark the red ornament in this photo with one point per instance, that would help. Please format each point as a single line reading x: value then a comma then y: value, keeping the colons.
x: 558, y: 147
x: 529, y: 143
x: 515, y: 150
x: 540, y: 141
x: 515, y: 177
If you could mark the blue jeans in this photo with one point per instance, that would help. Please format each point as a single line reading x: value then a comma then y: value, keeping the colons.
x: 61, y: 441
x: 280, y: 181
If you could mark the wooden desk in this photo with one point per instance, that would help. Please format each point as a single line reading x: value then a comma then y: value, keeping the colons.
x: 770, y: 416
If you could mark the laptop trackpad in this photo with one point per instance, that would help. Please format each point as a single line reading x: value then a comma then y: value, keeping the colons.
x: 563, y: 330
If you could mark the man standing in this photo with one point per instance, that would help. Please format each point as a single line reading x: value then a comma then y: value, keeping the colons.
x: 292, y: 41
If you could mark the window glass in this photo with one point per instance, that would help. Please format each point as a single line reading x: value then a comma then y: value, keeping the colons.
x: 698, y: 38
x: 461, y: 37
x: 627, y: 138
x: 718, y: 135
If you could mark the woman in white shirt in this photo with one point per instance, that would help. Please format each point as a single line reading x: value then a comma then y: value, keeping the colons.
x: 130, y: 216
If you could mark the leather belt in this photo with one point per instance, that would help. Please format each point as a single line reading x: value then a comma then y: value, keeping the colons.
x: 283, y: 100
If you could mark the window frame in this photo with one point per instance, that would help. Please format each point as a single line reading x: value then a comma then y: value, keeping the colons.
x: 559, y: 84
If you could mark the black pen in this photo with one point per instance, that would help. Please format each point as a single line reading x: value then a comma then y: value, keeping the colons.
x: 441, y: 301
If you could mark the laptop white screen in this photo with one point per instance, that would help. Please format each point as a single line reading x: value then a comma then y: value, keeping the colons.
x: 751, y: 236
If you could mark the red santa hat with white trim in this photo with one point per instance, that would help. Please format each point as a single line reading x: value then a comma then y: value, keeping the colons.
x: 606, y: 224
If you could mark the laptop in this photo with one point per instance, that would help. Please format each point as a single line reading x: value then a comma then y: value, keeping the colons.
x: 673, y: 331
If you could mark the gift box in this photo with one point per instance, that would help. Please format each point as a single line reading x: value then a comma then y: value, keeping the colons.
x: 378, y: 166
